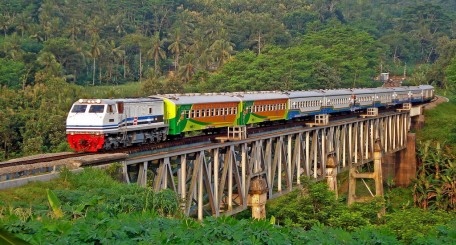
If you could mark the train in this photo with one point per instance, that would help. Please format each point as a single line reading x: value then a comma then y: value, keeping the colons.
x: 103, y: 124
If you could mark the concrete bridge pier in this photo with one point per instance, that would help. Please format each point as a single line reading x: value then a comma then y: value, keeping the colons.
x: 401, y: 166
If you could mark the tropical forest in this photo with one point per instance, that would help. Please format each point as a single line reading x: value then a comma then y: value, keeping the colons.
x: 54, y: 52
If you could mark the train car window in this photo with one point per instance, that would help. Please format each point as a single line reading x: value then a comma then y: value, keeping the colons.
x: 226, y: 110
x: 79, y: 108
x: 150, y: 110
x: 96, y: 109
x: 120, y: 107
x: 208, y: 113
x: 198, y: 113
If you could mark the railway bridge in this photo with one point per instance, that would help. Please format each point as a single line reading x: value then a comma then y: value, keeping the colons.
x: 227, y: 177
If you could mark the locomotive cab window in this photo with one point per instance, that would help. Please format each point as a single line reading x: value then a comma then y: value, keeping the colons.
x: 79, y: 108
x: 111, y: 108
x: 96, y: 109
x: 150, y: 110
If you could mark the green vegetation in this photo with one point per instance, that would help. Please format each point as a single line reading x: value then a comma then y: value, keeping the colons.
x: 315, y: 206
x: 92, y: 207
x: 446, y: 121
x: 54, y: 52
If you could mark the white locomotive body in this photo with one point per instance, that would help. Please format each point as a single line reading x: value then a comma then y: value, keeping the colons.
x: 94, y: 124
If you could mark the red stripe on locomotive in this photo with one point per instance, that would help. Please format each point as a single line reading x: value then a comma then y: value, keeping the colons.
x: 86, y: 142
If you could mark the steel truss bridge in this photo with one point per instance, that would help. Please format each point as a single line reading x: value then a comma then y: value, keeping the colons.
x: 215, y: 179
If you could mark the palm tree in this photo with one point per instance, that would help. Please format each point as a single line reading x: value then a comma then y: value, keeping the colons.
x: 22, y: 21
x: 95, y: 52
x: 73, y: 28
x: 115, y: 53
x: 13, y: 47
x: 222, y: 51
x: 81, y: 55
x: 5, y: 21
x: 187, y: 70
x: 94, y: 27
x: 139, y: 41
x: 119, y: 21
x: 156, y: 52
x: 48, y: 60
x: 176, y: 47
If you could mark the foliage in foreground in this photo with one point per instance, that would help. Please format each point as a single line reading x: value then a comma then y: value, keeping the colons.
x: 435, y: 185
x: 98, y: 210
x: 315, y: 206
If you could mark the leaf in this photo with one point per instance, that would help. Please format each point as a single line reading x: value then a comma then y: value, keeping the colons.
x: 8, y: 238
x: 55, y: 203
x: 273, y: 220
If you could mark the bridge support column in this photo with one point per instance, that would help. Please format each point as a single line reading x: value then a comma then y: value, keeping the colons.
x: 257, y: 198
x: 331, y: 174
x: 406, y: 169
x: 376, y: 175
x: 142, y: 174
x: 417, y: 122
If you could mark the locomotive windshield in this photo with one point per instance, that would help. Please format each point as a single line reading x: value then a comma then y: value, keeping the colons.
x: 79, y: 108
x: 96, y: 109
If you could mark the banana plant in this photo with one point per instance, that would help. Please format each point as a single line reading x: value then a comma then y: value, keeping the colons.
x: 54, y: 202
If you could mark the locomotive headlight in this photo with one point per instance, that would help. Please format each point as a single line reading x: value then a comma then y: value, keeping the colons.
x: 81, y: 100
x: 98, y: 101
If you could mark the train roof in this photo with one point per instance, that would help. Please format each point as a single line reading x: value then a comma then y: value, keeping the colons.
x: 197, y: 98
x: 299, y: 94
x: 260, y: 95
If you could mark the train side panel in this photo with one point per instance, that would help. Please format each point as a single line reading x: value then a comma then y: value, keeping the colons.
x: 259, y: 111
x: 202, y: 116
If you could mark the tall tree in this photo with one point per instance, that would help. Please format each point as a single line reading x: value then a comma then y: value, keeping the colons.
x: 177, y: 46
x: 95, y: 52
x: 156, y: 51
